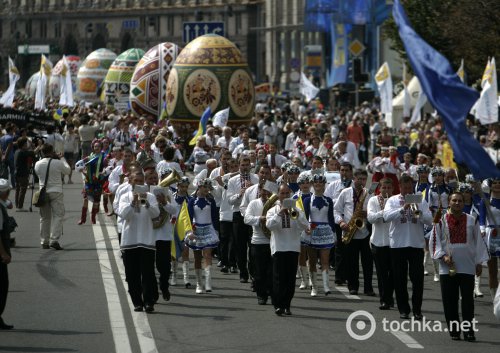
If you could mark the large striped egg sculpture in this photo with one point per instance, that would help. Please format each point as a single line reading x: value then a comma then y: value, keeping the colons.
x: 117, y: 81
x: 91, y: 74
x: 149, y: 81
x: 210, y: 71
x: 74, y: 63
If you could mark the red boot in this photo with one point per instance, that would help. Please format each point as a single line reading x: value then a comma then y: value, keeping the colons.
x: 95, y: 211
x: 83, y: 217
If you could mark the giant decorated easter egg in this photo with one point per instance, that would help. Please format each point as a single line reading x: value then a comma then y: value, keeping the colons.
x: 74, y: 63
x: 91, y: 74
x: 117, y: 81
x: 149, y: 81
x: 210, y: 71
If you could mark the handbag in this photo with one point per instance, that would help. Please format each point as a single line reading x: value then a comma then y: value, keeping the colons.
x: 40, y: 197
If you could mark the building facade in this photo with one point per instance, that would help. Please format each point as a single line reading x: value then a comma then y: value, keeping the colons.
x: 29, y: 28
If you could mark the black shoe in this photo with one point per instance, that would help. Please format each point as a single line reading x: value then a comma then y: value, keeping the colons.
x: 150, y: 308
x: 455, y: 336
x: 384, y: 306
x: 166, y: 295
x: 262, y: 301
x: 370, y: 294
x: 353, y: 292
x: 55, y: 245
x: 469, y: 336
x: 45, y: 246
x: 4, y: 326
x: 224, y: 269
x: 288, y: 312
x: 234, y: 269
x: 418, y: 317
x: 138, y: 308
x: 187, y: 285
x: 243, y: 280
x: 404, y: 316
x: 278, y: 311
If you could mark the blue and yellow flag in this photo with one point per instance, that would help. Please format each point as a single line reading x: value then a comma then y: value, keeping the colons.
x: 300, y: 204
x: 182, y: 226
x: 202, y: 128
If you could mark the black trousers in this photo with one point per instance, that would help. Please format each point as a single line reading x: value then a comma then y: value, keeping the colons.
x: 260, y: 255
x: 163, y: 258
x: 385, y: 279
x: 227, y: 244
x: 4, y: 286
x: 408, y: 262
x: 340, y: 261
x: 354, y: 249
x: 140, y: 275
x: 242, y: 235
x: 451, y: 287
x: 284, y: 271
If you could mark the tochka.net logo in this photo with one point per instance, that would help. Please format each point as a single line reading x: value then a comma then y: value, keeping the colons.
x: 361, y: 325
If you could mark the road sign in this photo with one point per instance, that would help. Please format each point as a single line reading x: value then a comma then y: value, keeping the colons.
x: 192, y: 30
x: 356, y: 48
x: 33, y: 49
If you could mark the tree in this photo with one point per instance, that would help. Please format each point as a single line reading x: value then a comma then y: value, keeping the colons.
x: 458, y: 29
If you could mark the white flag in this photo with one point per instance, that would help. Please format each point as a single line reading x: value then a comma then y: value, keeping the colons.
x: 486, y: 108
x: 66, y: 93
x: 307, y: 88
x: 221, y: 117
x: 41, y: 87
x: 421, y: 100
x: 8, y: 97
x: 384, y: 84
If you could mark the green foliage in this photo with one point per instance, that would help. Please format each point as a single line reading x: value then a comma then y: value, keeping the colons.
x: 458, y: 29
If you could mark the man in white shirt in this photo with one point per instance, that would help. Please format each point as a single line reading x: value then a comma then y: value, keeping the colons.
x: 260, y: 252
x: 345, y: 207
x: 285, y: 248
x: 52, y: 212
x: 406, y: 233
x: 236, y: 188
x: 380, y: 244
x: 273, y: 158
x: 225, y: 141
x: 351, y: 149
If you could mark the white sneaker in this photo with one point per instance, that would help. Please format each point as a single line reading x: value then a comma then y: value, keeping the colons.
x: 314, y: 291
x: 426, y: 273
x: 199, y: 288
x: 302, y: 285
x: 436, y: 277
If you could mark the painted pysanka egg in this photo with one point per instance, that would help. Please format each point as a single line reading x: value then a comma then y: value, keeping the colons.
x: 117, y: 81
x: 74, y: 63
x: 149, y: 81
x: 91, y: 74
x: 210, y: 71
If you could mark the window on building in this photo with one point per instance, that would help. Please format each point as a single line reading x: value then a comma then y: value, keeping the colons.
x: 13, y: 27
x: 237, y: 22
x: 57, y: 29
x: 29, y: 29
x: 1, y: 29
x: 170, y: 25
x: 43, y: 29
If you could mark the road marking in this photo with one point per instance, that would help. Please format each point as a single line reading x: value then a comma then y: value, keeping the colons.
x: 118, y: 326
x: 407, y: 339
x: 141, y: 322
x: 345, y: 292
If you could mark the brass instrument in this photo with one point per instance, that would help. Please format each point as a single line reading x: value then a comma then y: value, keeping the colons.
x: 294, y: 214
x: 172, y: 178
x: 356, y: 222
x: 452, y: 271
x: 415, y: 210
x: 269, y: 203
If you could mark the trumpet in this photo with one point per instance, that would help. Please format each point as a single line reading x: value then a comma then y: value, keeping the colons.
x: 452, y: 271
x: 415, y: 210
x: 294, y: 214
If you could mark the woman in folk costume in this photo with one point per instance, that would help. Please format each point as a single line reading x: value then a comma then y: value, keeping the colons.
x: 437, y: 197
x: 95, y: 173
x: 204, y: 218
x: 106, y: 195
x: 490, y: 230
x: 457, y: 244
x: 304, y: 181
x: 319, y: 212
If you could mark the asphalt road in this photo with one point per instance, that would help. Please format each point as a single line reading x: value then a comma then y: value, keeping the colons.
x: 75, y: 300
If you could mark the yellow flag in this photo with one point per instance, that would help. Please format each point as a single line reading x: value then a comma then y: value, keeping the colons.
x: 182, y: 226
x: 300, y: 204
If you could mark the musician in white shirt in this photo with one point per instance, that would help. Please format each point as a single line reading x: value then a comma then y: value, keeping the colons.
x: 406, y: 233
x: 285, y: 247
x: 345, y: 207
x: 380, y: 244
x: 260, y: 252
x: 236, y: 188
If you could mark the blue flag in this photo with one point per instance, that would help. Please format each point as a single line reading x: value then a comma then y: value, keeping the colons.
x: 447, y: 94
x: 202, y: 127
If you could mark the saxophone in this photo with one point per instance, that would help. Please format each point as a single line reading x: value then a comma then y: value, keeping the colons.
x: 356, y: 222
x: 269, y: 203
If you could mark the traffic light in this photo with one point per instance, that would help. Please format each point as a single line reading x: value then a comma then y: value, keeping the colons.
x: 358, y: 75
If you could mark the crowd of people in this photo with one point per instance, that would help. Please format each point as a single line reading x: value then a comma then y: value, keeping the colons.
x: 283, y: 197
